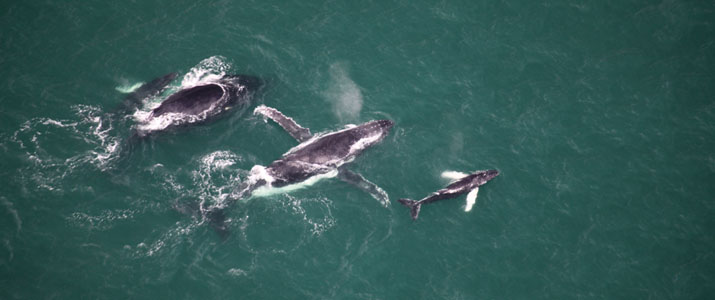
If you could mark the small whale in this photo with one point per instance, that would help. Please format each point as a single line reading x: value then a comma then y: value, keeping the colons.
x: 196, y: 104
x: 467, y: 183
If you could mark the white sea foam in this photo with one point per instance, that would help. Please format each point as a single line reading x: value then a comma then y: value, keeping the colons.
x: 208, y: 70
x: 219, y: 159
x: 92, y: 144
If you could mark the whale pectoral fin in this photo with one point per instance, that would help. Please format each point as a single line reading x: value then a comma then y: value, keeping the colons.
x: 359, y: 181
x: 298, y: 132
x: 471, y: 199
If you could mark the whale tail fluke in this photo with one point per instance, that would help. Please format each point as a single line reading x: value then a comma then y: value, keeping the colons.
x: 414, y: 207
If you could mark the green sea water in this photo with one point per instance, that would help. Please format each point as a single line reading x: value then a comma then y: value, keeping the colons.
x: 600, y: 116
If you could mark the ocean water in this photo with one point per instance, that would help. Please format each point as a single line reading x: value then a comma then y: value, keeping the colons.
x: 600, y: 116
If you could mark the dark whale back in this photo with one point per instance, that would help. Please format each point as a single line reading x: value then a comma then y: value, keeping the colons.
x: 339, y: 145
x: 324, y: 153
x: 191, y: 101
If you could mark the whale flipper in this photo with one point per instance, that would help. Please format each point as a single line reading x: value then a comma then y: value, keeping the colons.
x: 365, y: 185
x: 298, y: 132
x: 471, y: 199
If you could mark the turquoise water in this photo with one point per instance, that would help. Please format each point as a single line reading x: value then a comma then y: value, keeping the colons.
x: 600, y: 117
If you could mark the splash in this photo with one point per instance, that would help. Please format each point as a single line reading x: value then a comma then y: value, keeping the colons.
x: 149, y: 124
x: 343, y: 94
x: 208, y: 70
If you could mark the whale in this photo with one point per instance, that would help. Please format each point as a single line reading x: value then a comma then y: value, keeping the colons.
x: 463, y: 184
x: 317, y: 157
x: 195, y: 104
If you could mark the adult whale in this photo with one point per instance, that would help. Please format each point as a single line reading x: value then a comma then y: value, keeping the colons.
x: 466, y: 183
x: 196, y: 104
x: 315, y: 158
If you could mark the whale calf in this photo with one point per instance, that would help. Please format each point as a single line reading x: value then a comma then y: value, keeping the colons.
x: 196, y: 104
x: 468, y: 183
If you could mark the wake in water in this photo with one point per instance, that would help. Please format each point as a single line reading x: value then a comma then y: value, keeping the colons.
x: 213, y: 182
x: 51, y: 160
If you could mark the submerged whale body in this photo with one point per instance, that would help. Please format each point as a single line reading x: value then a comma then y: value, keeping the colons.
x: 199, y: 103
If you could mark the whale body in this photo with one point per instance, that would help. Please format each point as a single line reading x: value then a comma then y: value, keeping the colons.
x: 315, y: 158
x: 467, y: 184
x: 198, y: 104
x: 321, y: 155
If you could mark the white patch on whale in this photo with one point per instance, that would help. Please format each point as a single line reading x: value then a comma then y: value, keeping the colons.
x: 453, y: 175
x: 259, y: 173
x: 266, y: 190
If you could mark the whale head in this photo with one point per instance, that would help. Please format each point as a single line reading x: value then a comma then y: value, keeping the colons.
x: 483, y: 176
